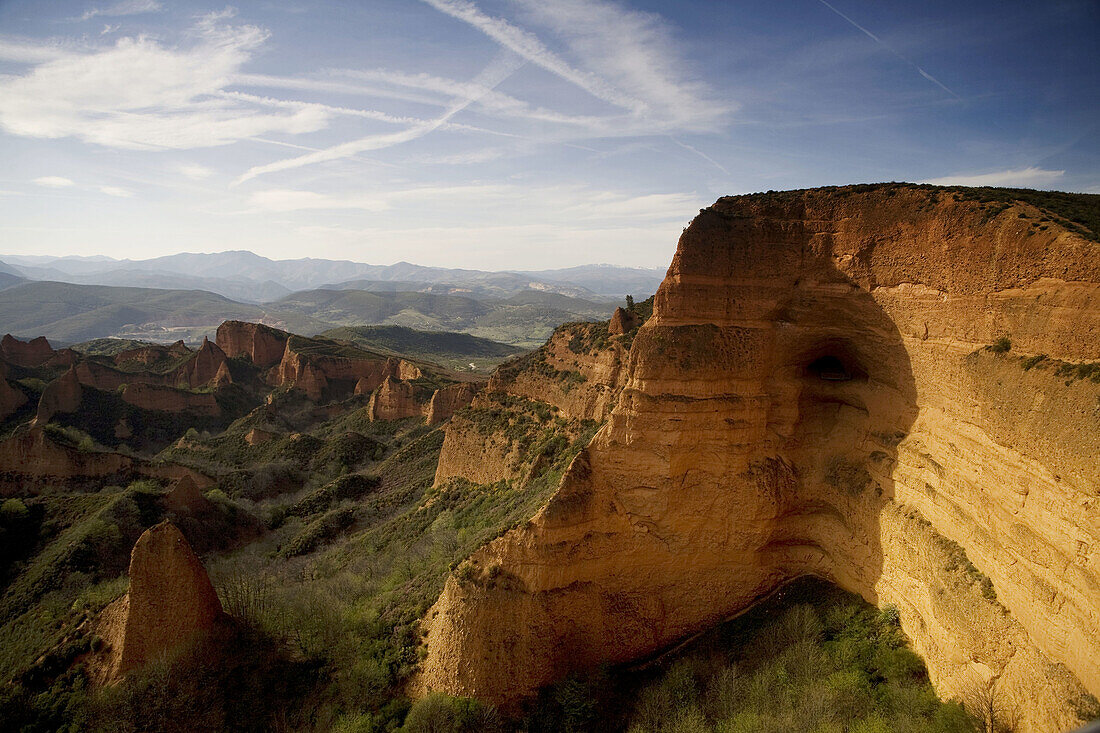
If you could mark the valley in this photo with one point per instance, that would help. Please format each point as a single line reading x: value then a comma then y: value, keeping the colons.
x: 839, y: 473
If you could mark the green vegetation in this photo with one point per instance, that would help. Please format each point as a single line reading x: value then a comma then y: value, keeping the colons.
x: 1002, y: 345
x: 453, y: 350
x: 1078, y: 212
x: 811, y: 658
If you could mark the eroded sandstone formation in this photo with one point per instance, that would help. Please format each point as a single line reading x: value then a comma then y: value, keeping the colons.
x: 170, y: 604
x: 446, y: 401
x: 35, y: 352
x: 262, y: 344
x: 812, y: 395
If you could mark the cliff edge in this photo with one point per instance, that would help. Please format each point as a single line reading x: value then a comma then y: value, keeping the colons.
x: 816, y: 393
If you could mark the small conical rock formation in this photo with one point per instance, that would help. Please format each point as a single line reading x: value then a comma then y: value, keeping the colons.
x: 206, y: 365
x: 61, y: 395
x: 621, y: 322
x: 11, y: 399
x: 185, y: 496
x: 171, y: 603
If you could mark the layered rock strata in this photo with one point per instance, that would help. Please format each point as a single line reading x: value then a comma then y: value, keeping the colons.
x: 811, y: 396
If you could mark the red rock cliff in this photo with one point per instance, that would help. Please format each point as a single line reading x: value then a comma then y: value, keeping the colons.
x: 811, y: 396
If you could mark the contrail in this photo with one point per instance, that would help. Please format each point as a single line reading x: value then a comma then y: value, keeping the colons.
x: 499, y: 69
x: 701, y: 154
x: 880, y: 42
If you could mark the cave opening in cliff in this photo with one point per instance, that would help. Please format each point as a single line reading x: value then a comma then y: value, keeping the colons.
x: 830, y: 368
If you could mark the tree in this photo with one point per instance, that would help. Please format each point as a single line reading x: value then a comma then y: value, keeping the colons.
x: 630, y: 302
x: 994, y: 710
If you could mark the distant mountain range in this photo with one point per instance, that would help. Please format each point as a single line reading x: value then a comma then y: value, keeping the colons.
x: 248, y: 277
x: 185, y: 296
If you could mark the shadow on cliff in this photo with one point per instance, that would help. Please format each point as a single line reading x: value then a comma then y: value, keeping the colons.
x: 843, y: 399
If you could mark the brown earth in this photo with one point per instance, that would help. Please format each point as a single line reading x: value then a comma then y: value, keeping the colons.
x: 811, y: 397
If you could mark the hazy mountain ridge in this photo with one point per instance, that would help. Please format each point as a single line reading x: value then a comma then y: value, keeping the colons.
x: 68, y: 312
x: 246, y: 276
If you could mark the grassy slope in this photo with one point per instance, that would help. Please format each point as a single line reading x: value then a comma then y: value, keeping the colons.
x: 525, y: 319
x: 453, y: 350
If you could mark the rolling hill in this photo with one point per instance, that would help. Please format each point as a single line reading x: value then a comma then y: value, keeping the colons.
x: 458, y: 351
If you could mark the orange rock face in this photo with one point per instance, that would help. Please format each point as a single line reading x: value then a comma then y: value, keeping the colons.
x: 393, y: 400
x: 262, y: 344
x: 166, y: 399
x: 170, y: 603
x: 810, y: 397
x: 35, y: 352
x: 204, y: 367
x: 448, y: 400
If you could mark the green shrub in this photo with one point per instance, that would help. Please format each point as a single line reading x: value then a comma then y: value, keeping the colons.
x: 439, y: 713
x: 1001, y: 345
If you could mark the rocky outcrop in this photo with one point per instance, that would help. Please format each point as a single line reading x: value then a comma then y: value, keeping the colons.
x: 621, y: 321
x: 393, y: 400
x: 262, y: 344
x: 208, y: 364
x: 811, y: 396
x: 185, y: 496
x: 328, y: 370
x: 166, y: 399
x: 446, y: 401
x: 33, y: 353
x: 11, y: 399
x: 61, y: 395
x: 33, y: 458
x: 170, y: 604
x: 259, y: 436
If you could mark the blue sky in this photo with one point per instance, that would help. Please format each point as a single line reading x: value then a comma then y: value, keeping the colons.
x: 507, y: 134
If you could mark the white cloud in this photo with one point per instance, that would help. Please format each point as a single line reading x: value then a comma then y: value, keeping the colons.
x: 124, y: 7
x: 54, y: 182
x: 502, y: 202
x: 1030, y: 177
x: 139, y: 94
x: 194, y: 171
x: 116, y: 191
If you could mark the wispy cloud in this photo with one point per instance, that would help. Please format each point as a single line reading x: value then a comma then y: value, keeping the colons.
x: 1030, y: 177
x: 124, y: 7
x: 194, y: 171
x: 497, y: 71
x: 54, y: 182
x: 139, y: 94
x: 116, y: 191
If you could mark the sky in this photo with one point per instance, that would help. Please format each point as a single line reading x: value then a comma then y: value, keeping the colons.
x: 511, y: 134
